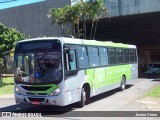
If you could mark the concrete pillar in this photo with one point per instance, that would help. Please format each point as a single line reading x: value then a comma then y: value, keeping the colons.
x: 144, y: 57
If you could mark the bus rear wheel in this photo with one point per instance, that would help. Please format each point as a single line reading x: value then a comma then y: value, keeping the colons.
x: 123, y: 83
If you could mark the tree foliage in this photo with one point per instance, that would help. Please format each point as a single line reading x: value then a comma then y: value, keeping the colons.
x: 8, y: 39
x: 91, y: 10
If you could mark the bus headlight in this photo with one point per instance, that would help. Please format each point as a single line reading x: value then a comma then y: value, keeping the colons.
x: 18, y: 91
x: 56, y: 91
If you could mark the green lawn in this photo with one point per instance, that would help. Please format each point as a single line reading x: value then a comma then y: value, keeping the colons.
x: 7, y: 86
x: 154, y: 92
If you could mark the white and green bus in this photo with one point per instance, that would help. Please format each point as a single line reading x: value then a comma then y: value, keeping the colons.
x: 61, y: 71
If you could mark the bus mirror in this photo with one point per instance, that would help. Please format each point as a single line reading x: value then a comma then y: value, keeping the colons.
x: 66, y: 49
x: 7, y: 53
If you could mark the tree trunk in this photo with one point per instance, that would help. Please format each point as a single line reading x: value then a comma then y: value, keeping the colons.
x: 84, y: 29
x: 0, y: 80
x: 95, y: 29
x: 91, y: 30
x: 78, y: 31
x: 62, y: 29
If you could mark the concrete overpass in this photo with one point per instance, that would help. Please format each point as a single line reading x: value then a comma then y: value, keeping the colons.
x: 119, y: 8
x: 134, y: 22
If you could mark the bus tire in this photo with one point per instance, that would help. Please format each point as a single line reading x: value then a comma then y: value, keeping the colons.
x: 123, y: 83
x: 83, y: 98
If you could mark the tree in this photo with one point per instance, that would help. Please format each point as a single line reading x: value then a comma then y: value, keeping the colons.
x: 92, y: 10
x: 82, y: 11
x: 97, y: 11
x: 64, y: 16
x: 8, y: 39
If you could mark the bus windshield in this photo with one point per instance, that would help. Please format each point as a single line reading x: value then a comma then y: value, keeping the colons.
x: 38, y: 62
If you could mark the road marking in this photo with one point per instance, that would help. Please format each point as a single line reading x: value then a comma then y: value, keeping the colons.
x: 143, y: 106
x: 147, y: 102
x: 149, y: 107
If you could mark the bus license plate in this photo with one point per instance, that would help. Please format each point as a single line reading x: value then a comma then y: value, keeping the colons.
x: 35, y: 102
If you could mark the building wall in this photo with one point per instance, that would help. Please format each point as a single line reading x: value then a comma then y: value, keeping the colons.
x: 131, y: 7
x: 32, y: 19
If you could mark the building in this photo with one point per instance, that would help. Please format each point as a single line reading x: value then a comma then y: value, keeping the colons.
x: 131, y: 21
x: 30, y: 16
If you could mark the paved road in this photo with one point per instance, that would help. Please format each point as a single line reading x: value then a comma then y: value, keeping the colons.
x: 132, y: 99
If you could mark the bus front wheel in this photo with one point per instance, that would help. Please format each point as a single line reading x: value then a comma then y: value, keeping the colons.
x: 83, y: 98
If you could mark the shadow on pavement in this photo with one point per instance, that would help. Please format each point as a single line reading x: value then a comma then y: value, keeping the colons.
x: 107, y: 94
x: 149, y: 76
x: 44, y: 110
x: 155, y: 77
x: 157, y: 80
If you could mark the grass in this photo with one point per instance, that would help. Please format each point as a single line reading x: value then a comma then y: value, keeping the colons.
x: 154, y: 92
x: 7, y: 86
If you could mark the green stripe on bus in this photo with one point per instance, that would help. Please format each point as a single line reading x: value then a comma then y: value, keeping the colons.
x: 46, y: 91
x: 101, y: 77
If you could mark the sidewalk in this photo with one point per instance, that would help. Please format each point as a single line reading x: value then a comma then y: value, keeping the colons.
x: 151, y: 103
x: 6, y: 96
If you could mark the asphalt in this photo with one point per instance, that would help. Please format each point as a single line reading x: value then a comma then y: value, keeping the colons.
x: 138, y: 91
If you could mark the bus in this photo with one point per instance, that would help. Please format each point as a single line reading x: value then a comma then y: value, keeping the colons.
x: 60, y: 71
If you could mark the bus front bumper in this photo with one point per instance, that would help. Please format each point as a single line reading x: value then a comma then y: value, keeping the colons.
x: 58, y: 100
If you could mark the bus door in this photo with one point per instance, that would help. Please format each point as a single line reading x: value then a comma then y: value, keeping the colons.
x: 71, y: 74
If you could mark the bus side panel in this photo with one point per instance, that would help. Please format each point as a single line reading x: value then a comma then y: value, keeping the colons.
x: 134, y: 71
x: 73, y: 87
x: 124, y: 70
x: 127, y: 72
x: 107, y: 78
x: 113, y: 74
x: 96, y: 79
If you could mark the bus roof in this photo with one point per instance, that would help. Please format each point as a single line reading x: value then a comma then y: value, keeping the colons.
x: 83, y: 42
x: 97, y: 43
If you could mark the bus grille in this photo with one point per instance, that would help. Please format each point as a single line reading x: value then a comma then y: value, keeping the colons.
x: 28, y: 93
x: 36, y: 99
x: 41, y: 88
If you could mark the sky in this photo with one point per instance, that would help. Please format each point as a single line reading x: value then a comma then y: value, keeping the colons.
x: 4, y: 4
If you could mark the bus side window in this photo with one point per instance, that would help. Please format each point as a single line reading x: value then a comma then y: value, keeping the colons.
x: 71, y: 63
x: 72, y: 60
x: 126, y: 56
